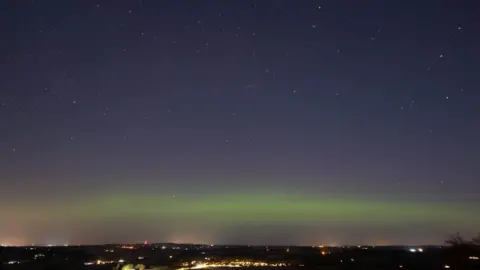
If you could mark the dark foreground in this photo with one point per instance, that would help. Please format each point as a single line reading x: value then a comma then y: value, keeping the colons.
x: 175, y: 256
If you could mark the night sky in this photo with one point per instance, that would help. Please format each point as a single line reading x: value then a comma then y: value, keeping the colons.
x: 248, y: 122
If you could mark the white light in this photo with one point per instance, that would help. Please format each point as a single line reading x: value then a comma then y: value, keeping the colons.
x: 420, y: 250
x: 446, y: 266
x: 413, y: 250
x: 121, y: 261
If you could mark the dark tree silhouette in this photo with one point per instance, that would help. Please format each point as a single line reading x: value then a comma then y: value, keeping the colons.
x: 456, y: 240
x: 476, y: 240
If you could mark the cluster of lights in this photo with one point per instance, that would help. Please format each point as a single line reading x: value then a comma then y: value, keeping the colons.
x: 13, y: 262
x: 473, y: 258
x: 232, y: 264
x: 102, y: 262
x: 127, y: 247
x: 109, y: 250
x: 413, y: 250
x: 38, y: 256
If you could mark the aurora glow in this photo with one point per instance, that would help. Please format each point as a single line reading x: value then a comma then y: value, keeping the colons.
x: 191, y: 212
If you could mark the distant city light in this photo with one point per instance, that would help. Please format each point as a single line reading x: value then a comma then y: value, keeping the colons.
x: 232, y: 264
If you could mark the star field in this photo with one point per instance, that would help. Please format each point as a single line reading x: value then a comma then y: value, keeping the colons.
x: 348, y: 122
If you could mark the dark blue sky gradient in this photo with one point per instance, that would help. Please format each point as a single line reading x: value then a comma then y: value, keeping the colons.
x: 366, y: 99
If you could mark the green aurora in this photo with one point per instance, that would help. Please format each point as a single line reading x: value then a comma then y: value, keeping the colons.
x: 240, y: 208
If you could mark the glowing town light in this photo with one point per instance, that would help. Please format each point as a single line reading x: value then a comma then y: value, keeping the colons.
x: 420, y: 250
x: 412, y: 250
x: 446, y: 266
